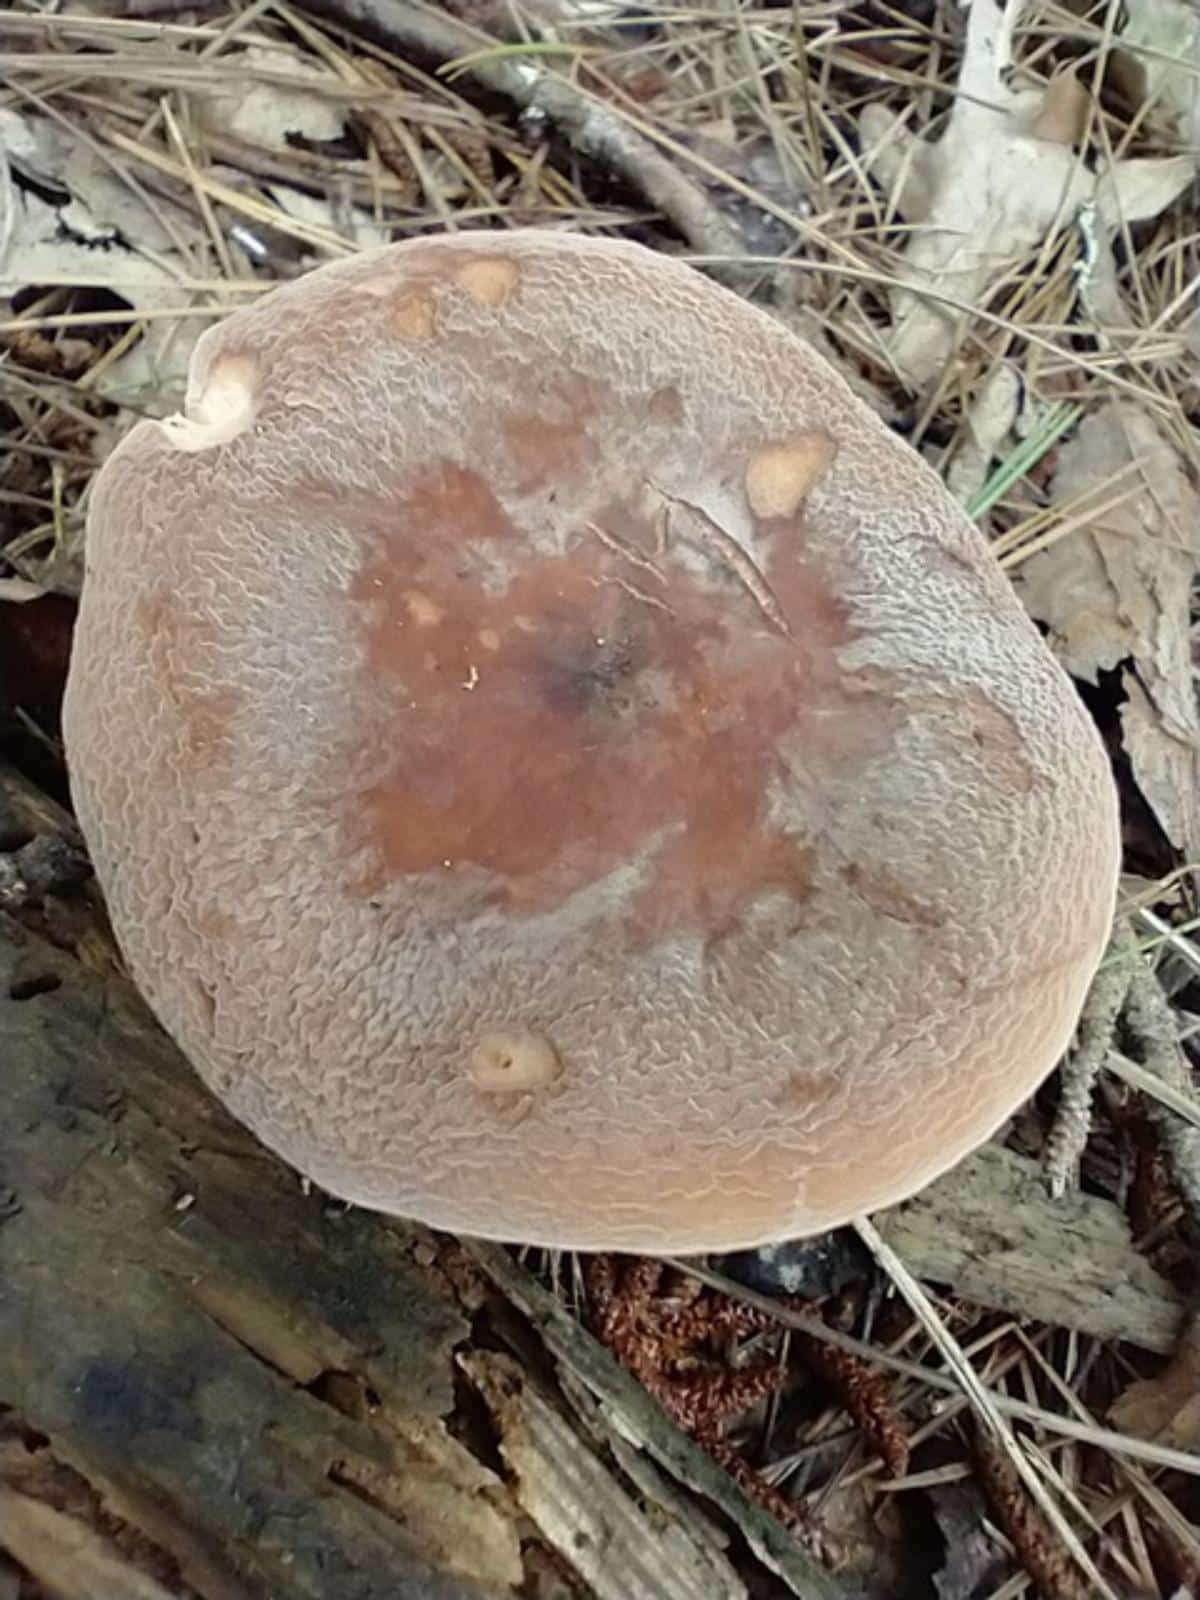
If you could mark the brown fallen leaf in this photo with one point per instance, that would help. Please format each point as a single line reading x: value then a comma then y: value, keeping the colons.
x: 1115, y: 593
x: 1062, y: 116
x: 1166, y: 1408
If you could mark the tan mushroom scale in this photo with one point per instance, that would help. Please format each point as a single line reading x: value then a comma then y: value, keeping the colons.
x: 563, y: 770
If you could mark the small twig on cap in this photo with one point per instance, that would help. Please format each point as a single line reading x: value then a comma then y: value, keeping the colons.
x: 592, y: 127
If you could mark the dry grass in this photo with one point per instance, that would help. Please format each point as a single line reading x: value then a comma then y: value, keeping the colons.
x: 756, y: 118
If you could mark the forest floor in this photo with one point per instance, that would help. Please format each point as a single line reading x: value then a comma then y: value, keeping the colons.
x: 989, y: 221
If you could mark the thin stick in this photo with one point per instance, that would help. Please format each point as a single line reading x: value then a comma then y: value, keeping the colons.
x: 593, y: 127
x: 982, y: 1400
x: 1137, y: 1077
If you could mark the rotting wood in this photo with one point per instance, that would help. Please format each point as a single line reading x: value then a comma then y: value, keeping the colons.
x: 170, y: 1304
x: 635, y: 1417
x: 66, y: 1555
x: 252, y: 1386
x: 258, y: 1382
x: 573, y: 1499
x: 991, y: 1232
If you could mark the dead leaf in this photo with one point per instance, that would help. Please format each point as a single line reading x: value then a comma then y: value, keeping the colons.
x: 44, y: 244
x: 17, y: 591
x: 1117, y: 593
x: 1136, y: 190
x: 1166, y: 1408
x: 43, y: 248
x: 63, y: 357
x: 1133, y: 191
x: 989, y: 191
x: 267, y: 95
x: 1165, y: 765
x: 974, y: 1565
x: 1161, y: 42
x: 44, y: 151
x: 1062, y: 116
x: 116, y: 207
x: 347, y: 222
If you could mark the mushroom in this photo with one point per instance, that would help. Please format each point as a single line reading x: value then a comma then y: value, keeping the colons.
x: 563, y: 770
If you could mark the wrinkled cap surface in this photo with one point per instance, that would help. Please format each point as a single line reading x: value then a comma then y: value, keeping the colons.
x: 562, y: 770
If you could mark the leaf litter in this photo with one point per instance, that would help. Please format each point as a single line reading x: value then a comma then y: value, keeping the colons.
x: 1116, y: 596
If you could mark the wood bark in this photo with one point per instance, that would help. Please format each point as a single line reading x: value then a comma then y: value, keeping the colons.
x: 991, y: 1231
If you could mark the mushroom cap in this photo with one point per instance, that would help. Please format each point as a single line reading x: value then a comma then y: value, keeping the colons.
x: 563, y: 770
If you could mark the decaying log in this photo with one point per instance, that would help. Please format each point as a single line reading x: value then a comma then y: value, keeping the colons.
x: 216, y: 1384
x: 251, y: 1379
x: 991, y: 1231
x: 600, y: 1389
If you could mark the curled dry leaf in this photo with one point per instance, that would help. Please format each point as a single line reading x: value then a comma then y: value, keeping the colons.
x: 992, y: 188
x: 1165, y: 1408
x: 1116, y: 592
x: 1063, y: 114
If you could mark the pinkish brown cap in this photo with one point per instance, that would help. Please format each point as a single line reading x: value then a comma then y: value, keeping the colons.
x: 562, y: 770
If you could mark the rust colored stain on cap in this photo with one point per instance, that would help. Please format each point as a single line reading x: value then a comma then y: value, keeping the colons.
x: 603, y: 729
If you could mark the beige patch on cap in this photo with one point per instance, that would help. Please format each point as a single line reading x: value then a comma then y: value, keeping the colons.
x: 412, y: 317
x: 426, y: 613
x: 489, y: 281
x: 222, y: 409
x: 780, y: 475
x: 510, y: 1063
